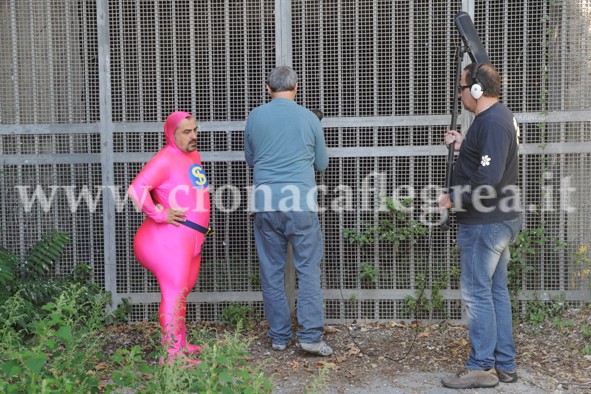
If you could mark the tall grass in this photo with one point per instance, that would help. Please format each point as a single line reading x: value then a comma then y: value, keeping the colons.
x: 59, y: 349
x: 53, y: 339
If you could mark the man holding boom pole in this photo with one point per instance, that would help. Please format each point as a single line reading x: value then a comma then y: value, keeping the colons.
x: 486, y: 200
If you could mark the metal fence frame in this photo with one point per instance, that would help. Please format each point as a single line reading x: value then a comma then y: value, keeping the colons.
x: 106, y: 128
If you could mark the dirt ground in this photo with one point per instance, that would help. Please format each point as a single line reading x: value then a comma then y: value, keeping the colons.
x: 380, y: 358
x: 412, y: 357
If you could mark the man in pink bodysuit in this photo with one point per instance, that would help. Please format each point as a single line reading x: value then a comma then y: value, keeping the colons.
x: 172, y: 190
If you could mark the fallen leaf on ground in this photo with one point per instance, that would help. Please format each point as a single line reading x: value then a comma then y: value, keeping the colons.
x: 352, y: 350
x: 459, y: 343
x: 331, y: 330
x: 326, y: 364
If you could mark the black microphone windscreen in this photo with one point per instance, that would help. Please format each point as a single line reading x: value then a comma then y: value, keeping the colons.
x: 470, y: 37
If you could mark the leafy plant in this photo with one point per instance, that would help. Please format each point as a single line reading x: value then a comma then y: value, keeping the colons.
x: 255, y: 280
x: 59, y: 351
x: 56, y: 349
x: 43, y: 254
x: 527, y: 244
x: 420, y: 303
x: 122, y: 312
x: 8, y: 264
x: 368, y: 273
x: 400, y: 227
x: 562, y: 325
x: 35, y: 283
x: 363, y: 238
x: 320, y: 382
x: 538, y: 311
x: 32, y: 277
x: 396, y: 229
x: 426, y: 301
x: 129, y: 368
x: 236, y: 314
x: 582, y: 266
x: 224, y: 368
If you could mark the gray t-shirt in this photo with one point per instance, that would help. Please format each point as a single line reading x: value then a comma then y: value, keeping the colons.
x: 284, y: 143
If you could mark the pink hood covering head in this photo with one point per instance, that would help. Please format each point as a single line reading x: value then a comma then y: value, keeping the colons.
x: 172, y: 123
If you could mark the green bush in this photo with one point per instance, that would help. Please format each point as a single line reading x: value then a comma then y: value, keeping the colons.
x: 225, y: 368
x: 56, y: 349
x: 236, y: 314
x: 33, y: 277
x: 52, y: 337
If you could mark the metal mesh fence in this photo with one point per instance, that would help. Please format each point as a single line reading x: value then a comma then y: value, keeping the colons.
x: 49, y: 62
x: 382, y: 73
x: 207, y: 57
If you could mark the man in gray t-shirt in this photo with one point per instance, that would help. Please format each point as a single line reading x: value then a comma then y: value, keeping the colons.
x: 284, y: 144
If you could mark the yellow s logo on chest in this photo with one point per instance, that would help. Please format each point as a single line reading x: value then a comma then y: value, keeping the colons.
x: 198, y: 177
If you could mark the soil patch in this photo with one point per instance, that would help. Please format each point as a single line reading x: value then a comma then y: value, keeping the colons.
x: 406, y: 357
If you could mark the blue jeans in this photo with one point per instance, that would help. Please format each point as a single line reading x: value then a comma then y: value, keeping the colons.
x: 484, y: 256
x: 273, y: 231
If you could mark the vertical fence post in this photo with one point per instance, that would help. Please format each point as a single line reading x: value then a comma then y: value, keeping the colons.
x: 283, y: 57
x: 283, y: 35
x: 106, y: 134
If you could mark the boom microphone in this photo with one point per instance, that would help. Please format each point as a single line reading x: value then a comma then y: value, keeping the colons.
x: 468, y: 34
x: 477, y: 53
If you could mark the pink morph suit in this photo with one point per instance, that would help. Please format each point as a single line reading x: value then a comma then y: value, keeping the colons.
x: 172, y: 179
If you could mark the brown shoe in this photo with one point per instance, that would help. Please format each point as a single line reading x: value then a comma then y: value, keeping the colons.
x: 470, y: 379
x: 505, y: 377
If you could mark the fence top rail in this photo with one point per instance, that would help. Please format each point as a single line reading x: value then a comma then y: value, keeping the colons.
x: 327, y: 122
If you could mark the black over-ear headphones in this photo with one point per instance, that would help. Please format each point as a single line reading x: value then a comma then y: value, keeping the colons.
x: 476, y: 89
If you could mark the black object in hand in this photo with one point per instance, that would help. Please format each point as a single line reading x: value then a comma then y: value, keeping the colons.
x: 318, y: 113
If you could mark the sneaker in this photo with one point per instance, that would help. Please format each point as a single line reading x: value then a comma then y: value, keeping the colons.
x: 318, y: 348
x: 279, y: 347
x: 505, y: 377
x: 470, y: 379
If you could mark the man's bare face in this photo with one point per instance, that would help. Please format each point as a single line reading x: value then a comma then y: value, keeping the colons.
x: 185, y: 135
x: 467, y: 100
